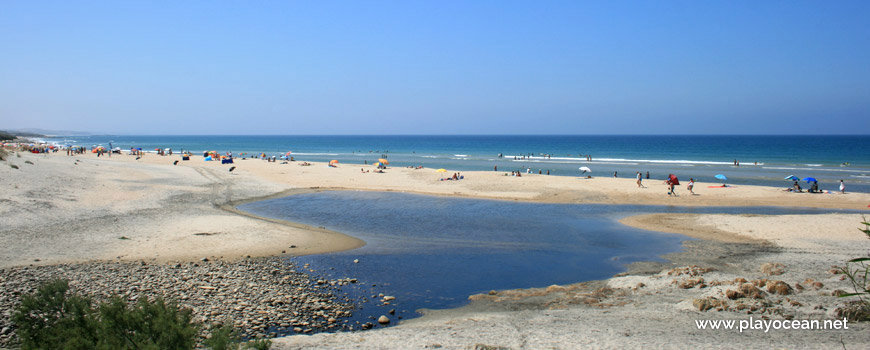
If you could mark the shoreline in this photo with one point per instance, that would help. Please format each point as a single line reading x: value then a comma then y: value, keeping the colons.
x: 161, y: 207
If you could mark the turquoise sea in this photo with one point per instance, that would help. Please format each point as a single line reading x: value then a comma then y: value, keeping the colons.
x: 764, y: 160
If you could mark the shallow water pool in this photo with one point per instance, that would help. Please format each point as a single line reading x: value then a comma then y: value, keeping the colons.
x: 433, y: 252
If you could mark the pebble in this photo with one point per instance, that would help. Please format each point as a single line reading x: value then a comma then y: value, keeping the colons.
x: 257, y: 295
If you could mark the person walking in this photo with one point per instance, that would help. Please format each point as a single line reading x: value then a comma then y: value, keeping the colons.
x: 691, y: 185
x: 842, y: 187
x: 671, y: 187
x: 639, y: 180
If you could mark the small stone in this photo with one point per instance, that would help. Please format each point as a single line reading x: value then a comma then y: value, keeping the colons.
x: 702, y: 304
x: 356, y: 261
x: 771, y: 269
x: 734, y: 295
x: 779, y: 287
x: 392, y: 311
x: 818, y: 285
x: 492, y: 292
x: 204, y: 259
x: 383, y: 319
x: 838, y: 293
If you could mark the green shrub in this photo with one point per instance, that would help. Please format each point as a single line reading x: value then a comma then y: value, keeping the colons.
x: 858, y: 272
x: 225, y: 338
x: 55, y: 318
x: 51, y: 319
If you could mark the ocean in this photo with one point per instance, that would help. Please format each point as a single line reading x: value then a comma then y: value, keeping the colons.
x: 763, y: 160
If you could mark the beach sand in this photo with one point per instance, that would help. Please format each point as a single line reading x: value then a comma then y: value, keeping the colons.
x: 59, y: 210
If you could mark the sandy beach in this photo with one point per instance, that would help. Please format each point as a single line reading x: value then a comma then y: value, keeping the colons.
x: 66, y: 209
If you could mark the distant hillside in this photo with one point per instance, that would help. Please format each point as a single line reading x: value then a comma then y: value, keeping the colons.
x: 34, y: 132
x: 4, y: 136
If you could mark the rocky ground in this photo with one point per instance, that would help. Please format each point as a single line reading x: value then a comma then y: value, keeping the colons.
x: 262, y: 297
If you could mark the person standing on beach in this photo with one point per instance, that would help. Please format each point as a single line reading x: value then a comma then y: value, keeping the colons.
x: 670, y: 184
x: 495, y: 168
x: 691, y: 185
x: 842, y: 187
x: 614, y: 174
x: 639, y: 180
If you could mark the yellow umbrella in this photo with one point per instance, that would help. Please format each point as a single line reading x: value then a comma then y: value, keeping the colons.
x: 384, y: 161
x: 441, y: 170
x: 376, y: 164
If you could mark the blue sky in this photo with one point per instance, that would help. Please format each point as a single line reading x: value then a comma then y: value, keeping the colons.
x: 436, y: 67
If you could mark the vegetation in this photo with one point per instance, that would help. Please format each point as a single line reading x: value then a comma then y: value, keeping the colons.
x: 858, y: 272
x: 224, y: 338
x: 55, y: 318
x: 6, y: 136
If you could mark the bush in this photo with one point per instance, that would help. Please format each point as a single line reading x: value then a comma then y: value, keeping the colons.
x: 50, y: 319
x: 858, y: 272
x: 55, y: 318
x: 225, y: 338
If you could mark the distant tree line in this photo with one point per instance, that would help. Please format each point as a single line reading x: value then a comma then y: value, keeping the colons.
x: 4, y: 136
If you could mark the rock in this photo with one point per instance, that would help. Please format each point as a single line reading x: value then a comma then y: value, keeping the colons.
x: 691, y: 283
x: 838, y: 292
x: 740, y: 280
x: 818, y: 285
x: 750, y: 291
x: 779, y: 287
x: 356, y: 261
x: 493, y: 292
x: 204, y: 259
x: 388, y: 298
x: 733, y: 294
x: 703, y: 304
x: 392, y: 311
x: 639, y: 285
x: 771, y: 269
x: 5, y: 330
x: 383, y: 319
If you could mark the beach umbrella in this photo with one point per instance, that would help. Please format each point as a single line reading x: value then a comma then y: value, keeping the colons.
x: 585, y: 169
x: 792, y: 178
x: 376, y: 164
x: 384, y: 161
x: 288, y: 153
x: 673, y: 178
x: 810, y: 179
x: 721, y: 177
x: 442, y: 170
x: 334, y: 161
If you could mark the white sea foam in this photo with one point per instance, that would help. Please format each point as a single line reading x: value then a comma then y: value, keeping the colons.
x: 460, y: 155
x: 624, y: 161
x: 314, y: 154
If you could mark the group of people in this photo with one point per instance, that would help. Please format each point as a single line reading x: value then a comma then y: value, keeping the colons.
x: 673, y: 182
x: 456, y: 176
x: 814, y: 187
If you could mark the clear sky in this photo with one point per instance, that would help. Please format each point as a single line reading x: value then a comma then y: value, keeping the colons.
x: 436, y: 67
